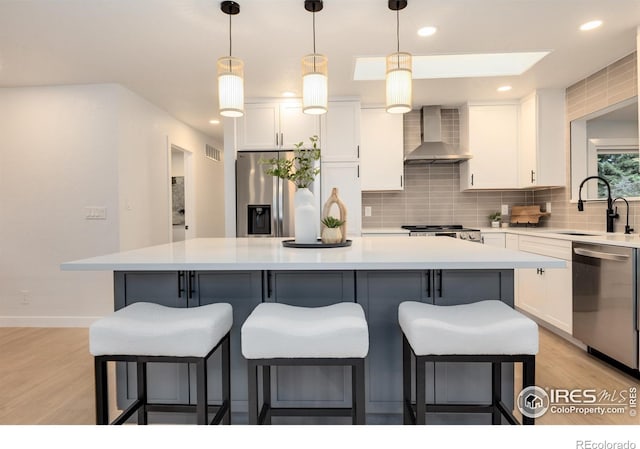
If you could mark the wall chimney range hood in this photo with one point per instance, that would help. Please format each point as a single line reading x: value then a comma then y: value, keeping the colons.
x: 433, y: 150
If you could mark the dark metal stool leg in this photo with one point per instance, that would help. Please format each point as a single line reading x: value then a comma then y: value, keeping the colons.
x: 102, y: 394
x: 201, y: 393
x: 266, y: 392
x: 496, y: 392
x: 421, y: 396
x: 406, y: 380
x: 252, y: 375
x: 528, y: 380
x: 226, y: 379
x: 141, y: 372
x: 358, y: 393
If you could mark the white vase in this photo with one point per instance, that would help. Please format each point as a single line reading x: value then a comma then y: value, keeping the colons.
x: 305, y: 216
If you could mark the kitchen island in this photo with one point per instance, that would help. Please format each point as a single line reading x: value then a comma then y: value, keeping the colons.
x: 377, y: 273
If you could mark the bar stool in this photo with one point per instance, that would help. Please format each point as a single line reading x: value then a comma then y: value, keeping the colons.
x: 146, y: 333
x: 485, y: 331
x: 279, y: 334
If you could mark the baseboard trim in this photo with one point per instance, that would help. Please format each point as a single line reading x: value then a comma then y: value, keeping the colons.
x: 47, y: 321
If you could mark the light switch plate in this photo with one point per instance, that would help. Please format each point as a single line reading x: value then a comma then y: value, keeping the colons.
x: 367, y: 211
x: 504, y: 210
x: 95, y: 213
x: 548, y: 207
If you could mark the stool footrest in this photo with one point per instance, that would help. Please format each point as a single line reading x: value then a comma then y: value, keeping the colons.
x: 267, y: 412
x: 128, y: 413
x: 219, y: 410
x: 462, y: 408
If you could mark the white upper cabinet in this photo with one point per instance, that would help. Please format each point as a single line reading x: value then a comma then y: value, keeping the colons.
x: 268, y: 126
x: 345, y: 177
x: 381, y: 150
x: 341, y: 132
x: 542, y: 139
x: 490, y: 133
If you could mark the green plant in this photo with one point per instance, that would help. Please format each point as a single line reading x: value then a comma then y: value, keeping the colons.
x: 300, y: 170
x: 496, y: 216
x: 332, y: 222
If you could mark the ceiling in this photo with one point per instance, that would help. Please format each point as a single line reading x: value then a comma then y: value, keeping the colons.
x: 166, y: 50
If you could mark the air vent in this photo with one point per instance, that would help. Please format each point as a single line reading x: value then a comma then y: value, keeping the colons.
x: 212, y: 153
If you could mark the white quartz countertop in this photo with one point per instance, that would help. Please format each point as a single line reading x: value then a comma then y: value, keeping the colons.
x: 366, y: 253
x: 596, y: 237
x: 378, y: 231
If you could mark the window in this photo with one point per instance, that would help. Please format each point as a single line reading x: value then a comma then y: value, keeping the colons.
x: 622, y: 169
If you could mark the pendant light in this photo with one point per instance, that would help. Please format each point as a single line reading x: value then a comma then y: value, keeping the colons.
x: 398, y: 70
x: 314, y: 72
x: 230, y: 74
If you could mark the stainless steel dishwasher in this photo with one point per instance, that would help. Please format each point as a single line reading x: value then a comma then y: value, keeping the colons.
x: 605, y: 300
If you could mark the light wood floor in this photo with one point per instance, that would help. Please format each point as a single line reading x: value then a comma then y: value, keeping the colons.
x: 46, y: 377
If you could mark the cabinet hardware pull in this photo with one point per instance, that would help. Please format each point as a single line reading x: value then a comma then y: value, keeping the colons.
x: 180, y: 283
x: 533, y: 176
x: 281, y: 139
x: 471, y: 178
x: 358, y: 151
x: 358, y: 167
x: 429, y: 284
x: 400, y: 180
x: 439, y: 273
x: 268, y: 284
x: 192, y: 283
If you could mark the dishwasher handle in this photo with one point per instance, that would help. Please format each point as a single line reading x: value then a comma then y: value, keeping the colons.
x: 601, y: 255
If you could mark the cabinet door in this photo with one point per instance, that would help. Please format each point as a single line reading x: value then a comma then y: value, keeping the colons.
x: 380, y: 294
x: 310, y: 386
x: 531, y: 291
x: 341, y: 132
x: 259, y: 128
x: 344, y: 176
x: 558, y: 301
x: 381, y: 150
x: 497, y: 239
x: 243, y: 290
x: 493, y: 141
x: 167, y: 382
x: 528, y: 165
x: 296, y: 126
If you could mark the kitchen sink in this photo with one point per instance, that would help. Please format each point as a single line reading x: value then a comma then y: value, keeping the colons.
x: 576, y: 233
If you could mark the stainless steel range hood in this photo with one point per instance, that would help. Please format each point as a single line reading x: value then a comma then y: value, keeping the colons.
x: 433, y: 150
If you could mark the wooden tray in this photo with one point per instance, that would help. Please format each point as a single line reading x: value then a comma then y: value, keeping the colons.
x: 293, y: 244
x: 527, y: 214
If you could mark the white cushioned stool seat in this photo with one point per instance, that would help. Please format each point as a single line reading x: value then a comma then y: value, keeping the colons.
x: 485, y: 327
x: 283, y: 331
x: 155, y: 330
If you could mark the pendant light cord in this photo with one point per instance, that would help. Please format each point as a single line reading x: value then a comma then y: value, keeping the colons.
x: 229, y: 35
x: 398, y: 28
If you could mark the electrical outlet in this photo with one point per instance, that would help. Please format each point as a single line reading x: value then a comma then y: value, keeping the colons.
x: 548, y: 207
x: 25, y: 299
x: 95, y: 213
x: 504, y: 209
x: 367, y: 211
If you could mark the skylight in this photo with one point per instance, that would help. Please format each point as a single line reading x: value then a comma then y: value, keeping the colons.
x: 454, y: 66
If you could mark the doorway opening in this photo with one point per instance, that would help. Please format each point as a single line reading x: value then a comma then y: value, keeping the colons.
x: 179, y: 197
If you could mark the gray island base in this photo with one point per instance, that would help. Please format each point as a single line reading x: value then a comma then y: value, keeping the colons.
x: 470, y: 272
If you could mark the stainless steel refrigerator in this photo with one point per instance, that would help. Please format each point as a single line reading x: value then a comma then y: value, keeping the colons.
x: 264, y: 203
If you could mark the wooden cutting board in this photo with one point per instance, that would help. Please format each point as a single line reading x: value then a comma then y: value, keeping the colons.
x: 527, y: 214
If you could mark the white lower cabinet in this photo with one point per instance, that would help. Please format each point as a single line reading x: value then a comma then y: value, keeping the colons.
x: 546, y: 292
x: 493, y: 239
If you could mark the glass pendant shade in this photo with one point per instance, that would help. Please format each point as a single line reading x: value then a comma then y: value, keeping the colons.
x: 314, y: 84
x: 399, y: 83
x: 231, y: 86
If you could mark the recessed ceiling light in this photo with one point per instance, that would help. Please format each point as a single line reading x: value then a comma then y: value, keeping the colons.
x: 590, y: 25
x: 288, y: 93
x: 427, y: 31
x: 504, y: 88
x: 214, y: 121
x: 454, y: 66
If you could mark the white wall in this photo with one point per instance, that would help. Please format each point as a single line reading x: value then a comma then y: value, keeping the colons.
x: 67, y: 147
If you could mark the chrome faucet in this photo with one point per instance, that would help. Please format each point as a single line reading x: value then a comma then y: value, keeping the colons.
x: 610, y: 213
x: 627, y: 229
